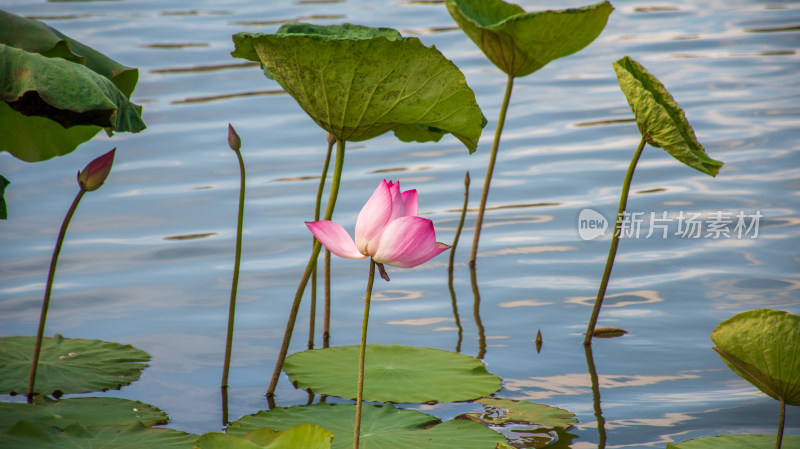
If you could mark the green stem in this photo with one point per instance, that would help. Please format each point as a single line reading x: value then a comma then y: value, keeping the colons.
x: 326, y: 325
x: 450, y: 266
x: 48, y: 290
x: 612, y: 252
x: 490, y: 169
x: 236, y: 264
x: 362, y: 355
x: 287, y: 336
x: 781, y: 422
x: 476, y: 312
x: 317, y: 206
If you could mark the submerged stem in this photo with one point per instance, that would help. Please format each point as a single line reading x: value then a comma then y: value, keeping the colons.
x: 362, y: 355
x: 235, y: 284
x: 287, y: 336
x: 490, y: 169
x: 450, y: 266
x: 612, y: 252
x: 317, y: 207
x: 37, y: 348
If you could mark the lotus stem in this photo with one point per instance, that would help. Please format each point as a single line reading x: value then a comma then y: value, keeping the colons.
x: 781, y: 422
x: 37, y: 348
x: 612, y: 252
x: 236, y: 264
x: 287, y: 336
x: 317, y: 207
x: 490, y: 169
x: 326, y: 324
x: 362, y: 355
x: 450, y: 266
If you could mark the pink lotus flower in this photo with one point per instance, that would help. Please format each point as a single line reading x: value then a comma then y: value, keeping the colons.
x: 95, y: 173
x: 387, y: 229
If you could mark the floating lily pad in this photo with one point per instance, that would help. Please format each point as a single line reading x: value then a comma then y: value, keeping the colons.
x: 359, y: 82
x: 87, y: 412
x: 763, y: 346
x: 743, y: 441
x: 503, y: 411
x: 393, y: 373
x: 521, y: 43
x: 305, y: 436
x: 58, y: 93
x: 37, y: 435
x: 525, y: 422
x: 383, y: 427
x: 659, y: 118
x: 68, y: 365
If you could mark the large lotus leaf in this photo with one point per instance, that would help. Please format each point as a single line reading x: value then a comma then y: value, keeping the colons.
x: 68, y: 365
x: 742, y: 441
x: 36, y: 37
x: 305, y: 436
x: 37, y: 435
x: 43, y: 97
x: 88, y: 412
x: 661, y: 121
x: 763, y: 346
x: 393, y: 373
x: 383, y: 427
x: 358, y: 82
x: 521, y: 43
x: 508, y: 411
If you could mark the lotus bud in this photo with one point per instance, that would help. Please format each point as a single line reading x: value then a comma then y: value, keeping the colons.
x: 95, y: 173
x: 233, y: 139
x: 330, y: 138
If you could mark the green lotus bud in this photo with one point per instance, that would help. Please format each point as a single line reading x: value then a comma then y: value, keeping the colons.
x: 233, y: 139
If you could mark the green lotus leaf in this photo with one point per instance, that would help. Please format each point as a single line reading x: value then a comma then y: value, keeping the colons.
x: 742, y: 441
x: 521, y: 43
x: 393, y: 373
x: 504, y: 411
x: 358, y: 82
x: 306, y: 436
x: 763, y: 346
x: 36, y: 37
x: 37, y: 435
x: 383, y: 427
x: 661, y: 121
x: 88, y: 412
x: 68, y: 365
x: 3, y: 208
x: 58, y: 93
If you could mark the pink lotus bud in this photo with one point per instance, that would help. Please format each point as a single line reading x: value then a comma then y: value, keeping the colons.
x: 96, y: 172
x: 233, y: 139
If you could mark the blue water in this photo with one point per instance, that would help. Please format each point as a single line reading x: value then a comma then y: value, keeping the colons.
x: 731, y: 65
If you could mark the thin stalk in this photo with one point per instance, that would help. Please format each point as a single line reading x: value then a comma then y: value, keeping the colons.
x: 317, y: 207
x: 362, y: 355
x: 450, y: 266
x: 781, y: 422
x: 612, y: 252
x: 326, y: 324
x: 236, y: 264
x: 287, y: 336
x: 490, y: 169
x: 37, y: 348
